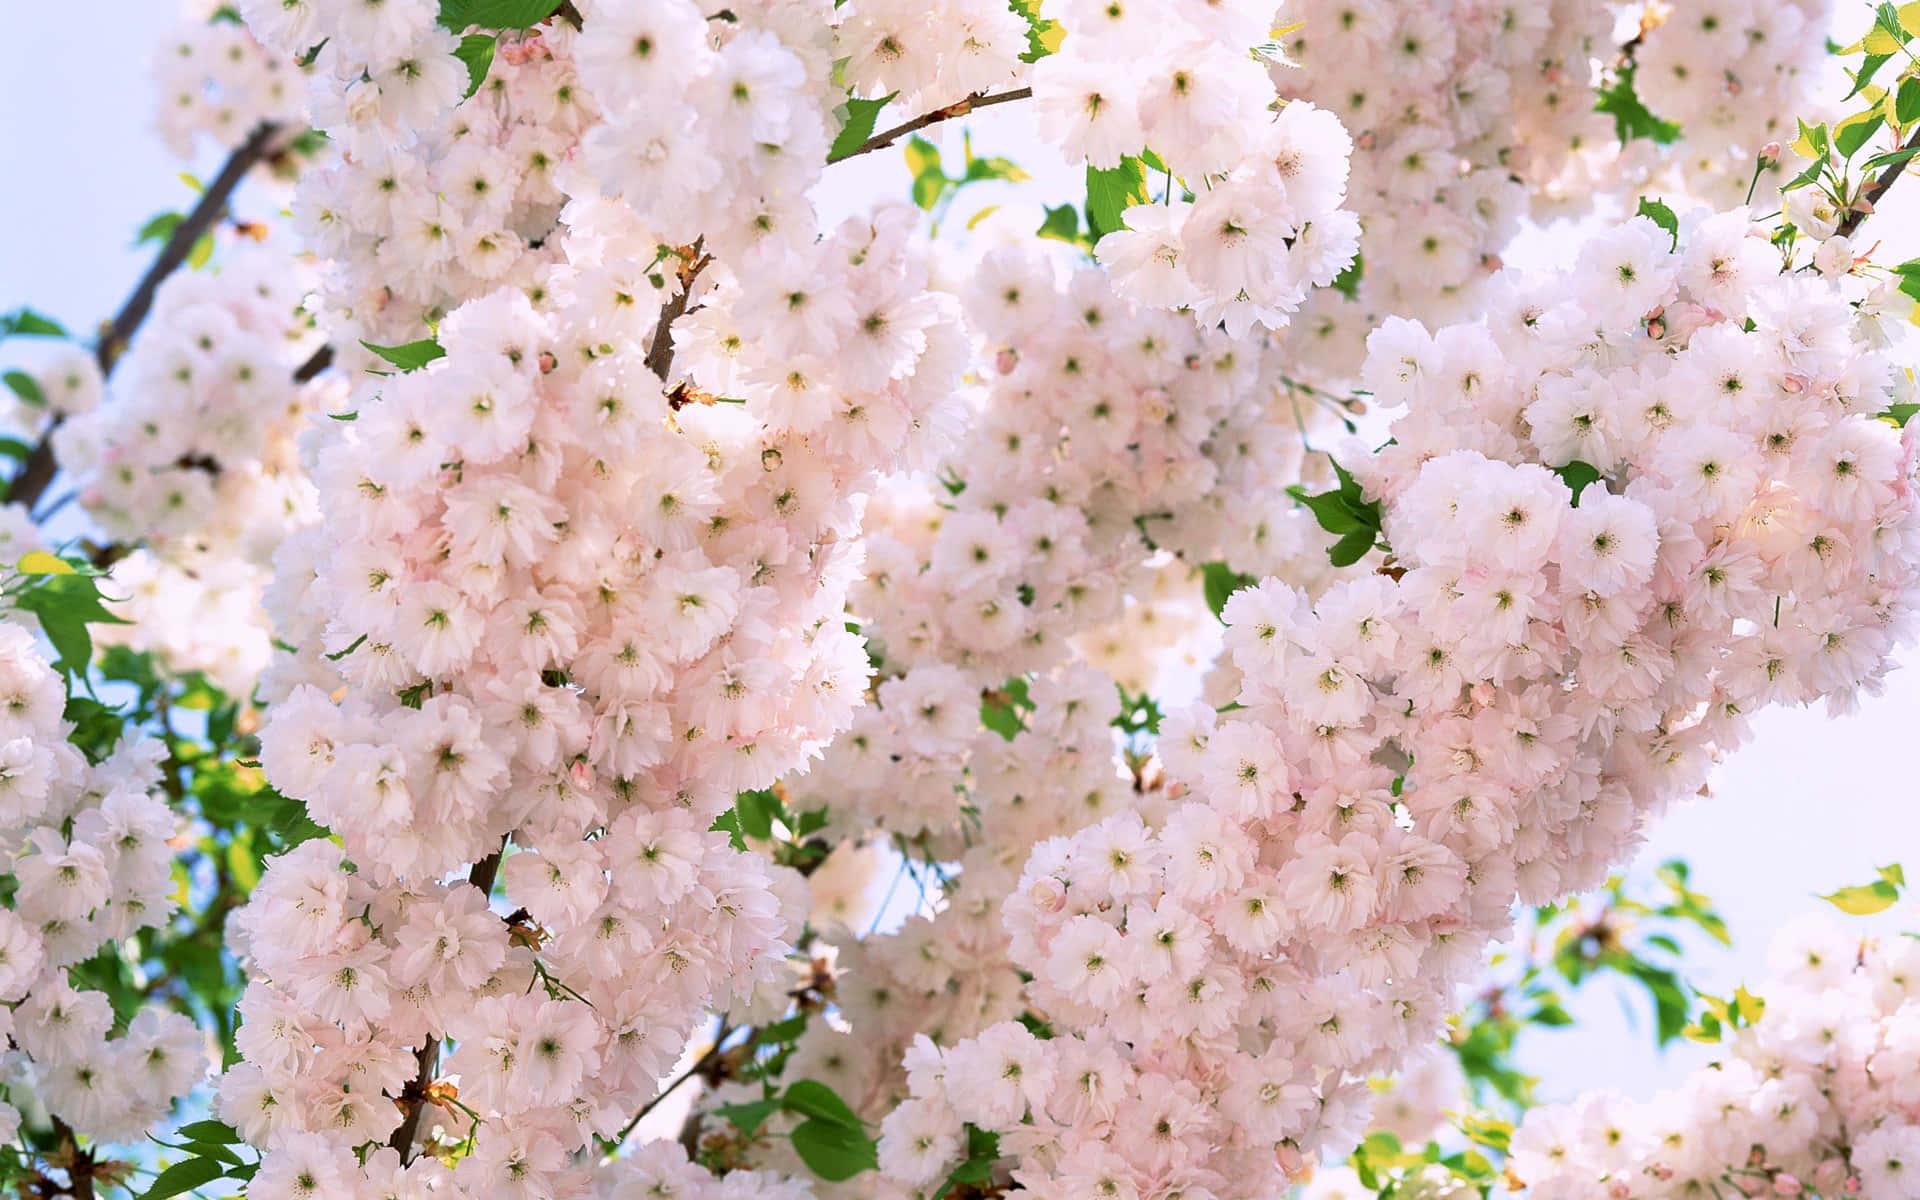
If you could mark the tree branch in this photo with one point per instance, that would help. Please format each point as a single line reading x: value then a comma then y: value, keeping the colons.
x: 958, y: 108
x: 700, y: 1066
x: 319, y: 361
x: 660, y: 347
x: 37, y: 472
x: 213, y: 202
x: 414, y: 1096
x: 1864, y: 204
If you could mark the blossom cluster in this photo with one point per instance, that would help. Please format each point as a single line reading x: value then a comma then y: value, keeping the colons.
x: 87, y: 854
x: 432, y: 199
x: 1265, y: 225
x: 569, y: 608
x: 1733, y: 77
x: 1816, y: 1096
x: 1105, y: 429
x: 1490, y: 715
x: 192, y: 463
x: 1471, y: 117
x: 215, y: 80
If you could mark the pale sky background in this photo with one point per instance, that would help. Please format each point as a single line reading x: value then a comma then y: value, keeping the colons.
x: 1809, y: 806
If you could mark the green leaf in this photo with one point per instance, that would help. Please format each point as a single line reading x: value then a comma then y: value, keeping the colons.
x: 834, y: 1152
x: 929, y: 178
x: 476, y: 51
x: 1906, y: 102
x: 1062, y: 225
x: 757, y: 810
x: 861, y: 116
x: 1865, y: 900
x: 1577, y: 475
x: 1631, y: 118
x: 457, y: 15
x: 1657, y: 212
x: 1344, y: 510
x: 1000, y: 710
x: 219, y: 1133
x: 65, y: 605
x: 183, y: 1176
x: 1138, y: 714
x: 1850, y: 135
x: 1890, y: 157
x: 1550, y: 1014
x: 202, y: 252
x: 994, y: 168
x: 750, y: 1116
x: 811, y: 1098
x: 27, y: 388
x: 411, y: 356
x: 1351, y: 548
x: 1869, y: 67
x: 1893, y: 874
x: 1220, y: 582
x: 1487, y: 1130
x: 1043, y: 36
x: 24, y: 322
x: 1347, y: 282
x: 1113, y: 190
x: 159, y: 229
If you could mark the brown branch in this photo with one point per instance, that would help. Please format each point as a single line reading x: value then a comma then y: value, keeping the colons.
x: 1864, y: 204
x: 319, y: 361
x: 413, y: 1097
x: 958, y: 108
x: 660, y: 346
x: 180, y: 243
x: 37, y: 473
x: 78, y: 1163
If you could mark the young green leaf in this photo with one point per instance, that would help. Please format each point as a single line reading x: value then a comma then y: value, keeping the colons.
x: 24, y: 322
x: 1657, y: 212
x: 184, y: 1176
x: 1219, y: 582
x: 1063, y: 225
x: 411, y: 356
x: 1865, y: 900
x: 811, y: 1098
x: 459, y: 15
x: 26, y: 387
x: 861, y: 117
x: 833, y: 1151
x: 476, y: 52
x: 1631, y: 118
x: 1113, y: 190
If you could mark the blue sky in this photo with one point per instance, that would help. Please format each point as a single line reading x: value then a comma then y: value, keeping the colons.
x: 1810, y: 805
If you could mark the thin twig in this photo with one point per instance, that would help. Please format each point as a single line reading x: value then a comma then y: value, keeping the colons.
x: 37, y: 472
x: 700, y: 1066
x: 958, y: 108
x: 427, y: 1056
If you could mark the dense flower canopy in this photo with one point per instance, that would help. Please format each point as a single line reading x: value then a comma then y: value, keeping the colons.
x: 595, y: 572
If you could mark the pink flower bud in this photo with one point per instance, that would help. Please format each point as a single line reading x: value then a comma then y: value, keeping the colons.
x: 1786, y: 1185
x: 1004, y: 361
x: 1769, y: 154
x: 1288, y: 1158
